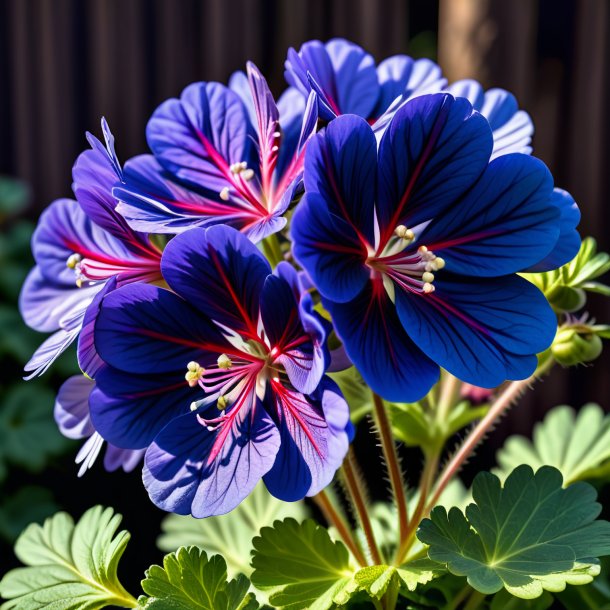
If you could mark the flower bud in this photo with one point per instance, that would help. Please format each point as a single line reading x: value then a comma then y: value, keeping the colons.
x: 566, y: 299
x: 576, y: 345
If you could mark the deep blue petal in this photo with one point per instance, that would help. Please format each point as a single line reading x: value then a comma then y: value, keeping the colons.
x: 313, y: 440
x: 220, y: 272
x: 502, y: 225
x: 128, y: 410
x: 197, y: 137
x: 433, y: 151
x: 329, y: 249
x: 190, y: 469
x: 568, y: 243
x: 389, y: 361
x: 341, y: 167
x: 483, y: 331
x: 137, y: 323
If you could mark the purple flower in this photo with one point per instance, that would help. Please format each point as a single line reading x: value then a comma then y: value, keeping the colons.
x: 222, y: 379
x: 221, y: 156
x: 347, y: 81
x: 73, y: 419
x: 415, y: 247
x: 78, y: 246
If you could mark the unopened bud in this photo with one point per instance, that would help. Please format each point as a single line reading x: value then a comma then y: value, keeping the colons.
x: 575, y: 345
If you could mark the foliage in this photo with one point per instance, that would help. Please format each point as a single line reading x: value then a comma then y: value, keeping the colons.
x: 28, y: 505
x: 576, y: 443
x: 69, y: 566
x: 230, y: 535
x: 532, y: 535
x: 189, y: 580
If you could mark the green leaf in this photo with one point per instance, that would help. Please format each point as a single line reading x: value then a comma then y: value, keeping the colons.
x: 15, y: 196
x: 532, y: 535
x: 28, y: 433
x: 577, y: 444
x: 71, y: 567
x: 28, y: 505
x: 189, y: 580
x: 300, y: 565
x: 230, y: 535
x: 594, y: 596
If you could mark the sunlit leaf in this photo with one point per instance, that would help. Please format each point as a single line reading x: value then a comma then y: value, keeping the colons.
x: 576, y: 443
x: 189, y: 580
x: 230, y: 535
x: 299, y: 565
x: 70, y: 567
x: 532, y: 535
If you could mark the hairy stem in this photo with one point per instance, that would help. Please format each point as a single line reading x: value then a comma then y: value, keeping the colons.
x: 355, y: 488
x: 390, y: 455
x: 333, y: 517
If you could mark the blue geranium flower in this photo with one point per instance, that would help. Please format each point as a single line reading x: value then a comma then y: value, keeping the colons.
x: 240, y: 345
x: 221, y: 156
x: 347, y: 81
x: 416, y: 247
x: 78, y: 246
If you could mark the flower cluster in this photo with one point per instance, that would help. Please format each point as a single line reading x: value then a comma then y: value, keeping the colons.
x: 395, y: 213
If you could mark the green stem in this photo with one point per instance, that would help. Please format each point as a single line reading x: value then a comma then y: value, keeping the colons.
x: 333, y: 517
x: 391, y: 595
x: 449, y: 393
x: 459, y: 598
x: 390, y: 455
x: 355, y: 488
x: 475, y: 600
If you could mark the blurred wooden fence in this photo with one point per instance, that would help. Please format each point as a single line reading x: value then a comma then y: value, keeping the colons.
x: 65, y: 63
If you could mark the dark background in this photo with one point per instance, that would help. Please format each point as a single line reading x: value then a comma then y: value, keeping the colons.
x: 65, y: 63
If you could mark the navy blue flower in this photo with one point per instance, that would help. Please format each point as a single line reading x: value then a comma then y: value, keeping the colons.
x: 347, y: 81
x: 241, y: 347
x: 78, y: 246
x: 221, y: 156
x: 416, y: 247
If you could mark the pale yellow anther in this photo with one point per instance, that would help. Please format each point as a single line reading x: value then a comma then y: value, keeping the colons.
x: 277, y: 134
x: 73, y: 260
x: 428, y: 288
x: 236, y: 168
x: 404, y: 233
x: 247, y: 174
x: 224, y: 362
x: 194, y: 406
x: 422, y: 250
x: 223, y: 403
x: 275, y: 148
x: 439, y: 262
x: 243, y: 165
x: 224, y: 194
x: 427, y: 277
x: 194, y: 373
x: 79, y: 282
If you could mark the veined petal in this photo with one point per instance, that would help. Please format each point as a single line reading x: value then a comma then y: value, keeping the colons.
x: 329, y: 249
x: 72, y: 407
x: 190, y: 469
x: 199, y: 136
x: 341, y: 167
x: 504, y: 224
x: 483, y: 331
x: 568, y: 243
x: 404, y: 76
x: 313, y: 440
x: 377, y: 344
x: 129, y: 410
x: 51, y: 349
x: 136, y: 323
x: 127, y: 459
x: 433, y: 151
x: 220, y: 272
x: 291, y: 106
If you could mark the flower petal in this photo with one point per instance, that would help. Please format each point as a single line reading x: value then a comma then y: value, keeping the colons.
x: 376, y: 342
x: 502, y: 225
x: 314, y: 441
x: 483, y: 331
x: 220, y: 272
x: 197, y: 137
x: 433, y: 151
x: 180, y: 476
x: 72, y: 407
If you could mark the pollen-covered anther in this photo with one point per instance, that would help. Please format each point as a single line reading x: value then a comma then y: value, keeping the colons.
x: 247, y: 174
x: 224, y: 362
x: 224, y: 194
x: 428, y: 288
x: 427, y: 277
x: 73, y: 260
x: 194, y: 373
x: 404, y: 233
x: 222, y: 403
